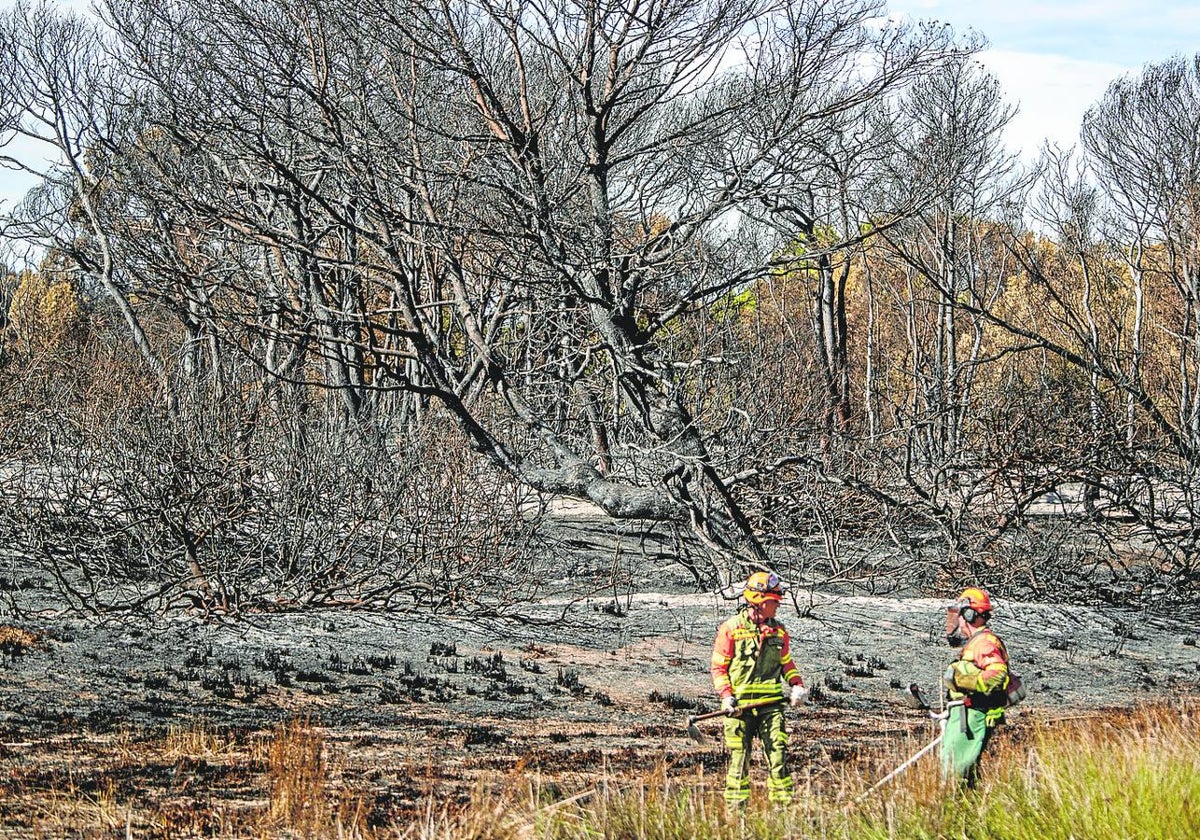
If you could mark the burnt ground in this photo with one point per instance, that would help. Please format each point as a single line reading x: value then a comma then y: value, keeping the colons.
x: 418, y: 709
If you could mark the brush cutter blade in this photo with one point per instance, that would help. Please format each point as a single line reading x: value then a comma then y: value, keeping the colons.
x: 915, y: 699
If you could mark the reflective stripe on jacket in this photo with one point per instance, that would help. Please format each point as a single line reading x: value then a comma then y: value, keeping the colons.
x: 981, y: 671
x: 749, y: 661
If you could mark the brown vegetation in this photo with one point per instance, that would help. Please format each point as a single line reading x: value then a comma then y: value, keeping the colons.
x: 303, y: 780
x: 306, y: 353
x: 16, y: 641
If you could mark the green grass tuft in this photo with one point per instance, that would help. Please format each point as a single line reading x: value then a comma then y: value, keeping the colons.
x: 1116, y: 776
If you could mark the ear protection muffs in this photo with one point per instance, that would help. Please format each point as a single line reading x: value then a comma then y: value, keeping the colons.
x: 968, y: 614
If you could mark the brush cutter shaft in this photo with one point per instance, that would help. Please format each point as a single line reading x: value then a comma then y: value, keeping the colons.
x: 910, y: 762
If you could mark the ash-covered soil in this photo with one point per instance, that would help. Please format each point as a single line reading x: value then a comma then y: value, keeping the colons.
x: 420, y: 707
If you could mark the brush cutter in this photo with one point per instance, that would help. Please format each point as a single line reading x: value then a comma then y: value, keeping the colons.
x: 913, y: 759
x: 941, y: 718
x: 699, y: 737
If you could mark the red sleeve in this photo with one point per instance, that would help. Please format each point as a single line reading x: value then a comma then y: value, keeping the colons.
x: 722, y: 655
x: 791, y: 675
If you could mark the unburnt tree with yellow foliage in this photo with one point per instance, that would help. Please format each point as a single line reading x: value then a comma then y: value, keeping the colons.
x: 41, y: 315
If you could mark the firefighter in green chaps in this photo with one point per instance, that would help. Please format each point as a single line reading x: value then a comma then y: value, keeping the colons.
x: 977, y: 684
x: 751, y: 662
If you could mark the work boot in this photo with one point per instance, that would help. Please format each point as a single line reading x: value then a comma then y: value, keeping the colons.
x: 735, y: 812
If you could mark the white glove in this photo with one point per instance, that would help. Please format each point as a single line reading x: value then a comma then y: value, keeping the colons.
x: 799, y: 694
x: 729, y: 705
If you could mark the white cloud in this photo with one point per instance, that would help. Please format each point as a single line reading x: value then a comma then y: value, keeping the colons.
x: 14, y: 182
x: 1040, y: 13
x: 1052, y: 93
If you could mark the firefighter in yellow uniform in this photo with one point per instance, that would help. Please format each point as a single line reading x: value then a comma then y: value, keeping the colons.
x: 751, y: 663
x: 976, y: 684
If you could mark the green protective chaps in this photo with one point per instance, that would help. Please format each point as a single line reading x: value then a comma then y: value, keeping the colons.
x: 962, y: 751
x: 770, y: 727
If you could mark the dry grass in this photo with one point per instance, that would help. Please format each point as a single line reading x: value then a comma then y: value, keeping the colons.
x: 1102, y: 775
x: 1129, y: 774
x: 196, y: 781
x: 15, y: 641
x: 298, y: 776
x: 200, y: 740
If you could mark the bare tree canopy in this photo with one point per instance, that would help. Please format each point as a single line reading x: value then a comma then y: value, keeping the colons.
x: 755, y: 270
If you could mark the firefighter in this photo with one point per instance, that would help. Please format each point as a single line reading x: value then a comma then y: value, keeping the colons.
x: 751, y: 663
x: 976, y: 685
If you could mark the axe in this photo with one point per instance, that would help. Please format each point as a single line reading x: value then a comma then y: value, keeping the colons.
x: 699, y: 737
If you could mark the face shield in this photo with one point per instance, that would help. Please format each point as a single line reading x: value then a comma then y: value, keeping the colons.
x: 956, y: 634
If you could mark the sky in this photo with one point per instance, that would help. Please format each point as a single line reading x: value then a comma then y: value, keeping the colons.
x: 1053, y: 58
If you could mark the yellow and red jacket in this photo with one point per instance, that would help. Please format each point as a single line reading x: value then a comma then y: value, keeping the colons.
x: 750, y: 660
x: 980, y: 675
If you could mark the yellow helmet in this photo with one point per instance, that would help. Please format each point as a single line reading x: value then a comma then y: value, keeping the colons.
x: 763, y: 586
x: 974, y: 598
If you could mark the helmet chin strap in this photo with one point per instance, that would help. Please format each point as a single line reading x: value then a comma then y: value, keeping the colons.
x: 757, y: 612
